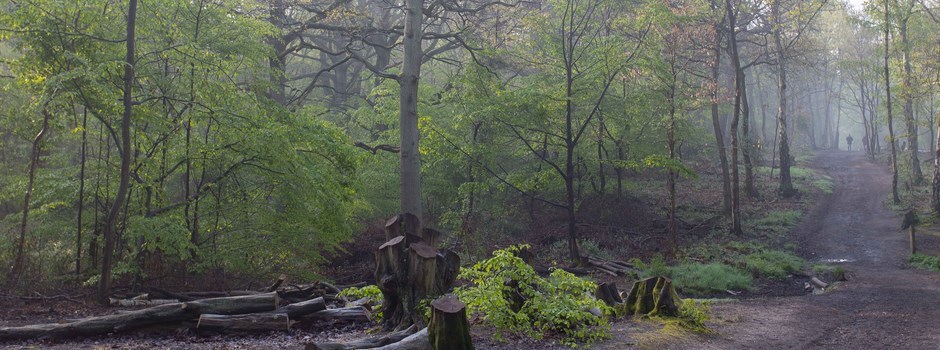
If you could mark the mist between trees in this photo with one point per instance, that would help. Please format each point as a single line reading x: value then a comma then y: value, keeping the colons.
x: 166, y: 139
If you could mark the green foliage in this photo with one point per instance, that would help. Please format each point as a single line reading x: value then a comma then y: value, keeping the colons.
x: 925, y: 262
x: 560, y: 304
x: 370, y: 292
x: 693, y: 315
x: 773, y: 264
x: 219, y: 169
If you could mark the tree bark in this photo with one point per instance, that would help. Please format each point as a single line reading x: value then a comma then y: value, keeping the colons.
x: 110, y: 225
x: 449, y: 328
x: 408, y: 270
x: 81, y: 197
x: 786, y: 184
x: 735, y: 117
x: 244, y: 323
x: 368, y: 343
x: 653, y: 296
x: 894, y: 151
x: 716, y: 122
x: 408, y: 109
x: 19, y: 260
x: 917, y: 175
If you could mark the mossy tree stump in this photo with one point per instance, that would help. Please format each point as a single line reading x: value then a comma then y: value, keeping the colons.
x: 449, y: 328
x: 654, y: 296
x: 408, y: 269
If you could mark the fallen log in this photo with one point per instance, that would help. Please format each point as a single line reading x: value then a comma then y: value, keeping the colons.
x: 141, y: 302
x: 346, y: 314
x: 302, y: 308
x: 417, y: 341
x: 244, y: 323
x: 367, y: 343
x: 166, y: 313
x: 818, y: 283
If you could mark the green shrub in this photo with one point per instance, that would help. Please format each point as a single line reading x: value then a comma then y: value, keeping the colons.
x: 925, y: 262
x: 709, y: 278
x: 371, y: 292
x: 562, y: 303
x: 693, y: 315
x: 773, y: 264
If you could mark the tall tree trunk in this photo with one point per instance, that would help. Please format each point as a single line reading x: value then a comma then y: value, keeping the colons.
x: 408, y: 111
x: 81, y: 197
x: 568, y: 44
x: 917, y: 175
x: 786, y: 184
x: 716, y: 121
x: 749, y: 188
x: 735, y: 147
x: 110, y: 225
x: 894, y: 151
x: 671, y: 180
x: 19, y: 260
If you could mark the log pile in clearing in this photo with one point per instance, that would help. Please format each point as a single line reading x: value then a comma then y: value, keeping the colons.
x: 276, y: 307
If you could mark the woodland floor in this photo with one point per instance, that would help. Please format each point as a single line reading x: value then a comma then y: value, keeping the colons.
x: 884, y: 303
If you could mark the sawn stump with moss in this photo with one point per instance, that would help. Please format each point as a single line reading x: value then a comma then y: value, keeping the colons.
x: 654, y: 296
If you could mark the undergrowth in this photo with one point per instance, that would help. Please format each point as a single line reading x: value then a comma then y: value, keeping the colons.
x: 508, y: 294
x: 371, y: 292
x: 925, y: 262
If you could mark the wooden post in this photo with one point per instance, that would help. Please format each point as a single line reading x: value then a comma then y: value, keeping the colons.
x: 449, y: 328
x: 910, y: 222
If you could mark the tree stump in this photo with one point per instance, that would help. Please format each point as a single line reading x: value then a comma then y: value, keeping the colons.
x: 609, y: 294
x: 654, y: 296
x: 408, y: 269
x: 449, y: 328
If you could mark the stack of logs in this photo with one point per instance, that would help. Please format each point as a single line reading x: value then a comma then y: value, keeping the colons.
x: 272, y: 308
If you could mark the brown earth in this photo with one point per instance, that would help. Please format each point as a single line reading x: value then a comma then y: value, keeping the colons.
x: 884, y: 305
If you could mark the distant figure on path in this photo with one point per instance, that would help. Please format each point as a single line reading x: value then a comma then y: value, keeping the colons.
x: 848, y: 140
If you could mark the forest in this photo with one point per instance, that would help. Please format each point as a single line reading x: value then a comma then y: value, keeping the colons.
x: 459, y: 174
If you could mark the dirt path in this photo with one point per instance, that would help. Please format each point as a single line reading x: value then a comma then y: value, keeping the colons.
x: 883, y: 305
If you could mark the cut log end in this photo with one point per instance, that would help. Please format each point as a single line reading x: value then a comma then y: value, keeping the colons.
x: 449, y: 328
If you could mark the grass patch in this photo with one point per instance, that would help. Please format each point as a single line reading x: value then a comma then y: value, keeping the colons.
x: 925, y: 262
x: 710, y: 278
x: 824, y: 184
x: 773, y: 264
x: 778, y: 222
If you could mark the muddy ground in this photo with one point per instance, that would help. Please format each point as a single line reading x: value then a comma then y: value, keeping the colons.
x: 884, y: 305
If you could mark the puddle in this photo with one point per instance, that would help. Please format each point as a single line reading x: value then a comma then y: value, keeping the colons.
x: 836, y: 261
